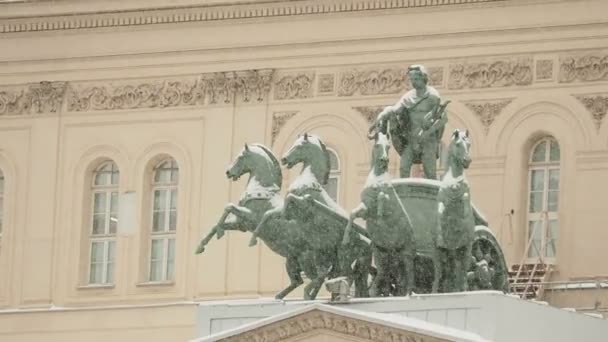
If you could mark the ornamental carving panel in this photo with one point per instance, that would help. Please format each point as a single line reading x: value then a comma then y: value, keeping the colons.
x: 583, y: 68
x: 372, y: 82
x: 279, y: 119
x: 318, y: 320
x: 393, y: 80
x: 35, y: 98
x: 597, y: 105
x: 291, y: 87
x: 491, y: 74
x: 544, y: 69
x: 487, y: 110
x: 130, y: 96
x: 254, y: 85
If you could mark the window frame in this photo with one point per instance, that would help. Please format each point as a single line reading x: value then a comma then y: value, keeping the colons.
x: 107, y: 237
x: 335, y: 173
x: 167, y: 235
x: 544, y: 216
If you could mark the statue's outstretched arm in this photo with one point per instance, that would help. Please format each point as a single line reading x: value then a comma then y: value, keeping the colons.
x: 380, y: 125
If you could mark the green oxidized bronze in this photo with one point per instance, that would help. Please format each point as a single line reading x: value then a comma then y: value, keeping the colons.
x: 320, y: 220
x: 420, y: 232
x: 416, y: 124
x: 389, y: 227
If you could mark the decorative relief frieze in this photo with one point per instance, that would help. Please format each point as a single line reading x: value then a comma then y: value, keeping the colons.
x: 544, y: 70
x: 369, y: 113
x: 143, y: 95
x: 36, y: 98
x: 583, y: 68
x: 318, y: 320
x: 491, y: 74
x: 597, y: 105
x: 297, y: 86
x: 202, y: 13
x: 372, y: 82
x: 210, y: 89
x: 392, y: 80
x: 487, y: 110
x: 279, y: 119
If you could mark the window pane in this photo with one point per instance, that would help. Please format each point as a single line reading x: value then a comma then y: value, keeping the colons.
x: 158, y: 221
x: 160, y: 199
x: 96, y: 273
x: 175, y: 175
x: 114, y: 213
x: 1, y: 183
x: 114, y: 178
x: 537, y: 180
x: 553, y: 179
x: 171, y: 260
x: 536, y: 202
x: 332, y: 188
x: 534, y: 233
x: 110, y: 262
x: 99, y: 205
x: 334, y: 164
x: 538, y: 155
x: 551, y: 238
x: 97, y: 252
x: 156, y: 258
x: 552, y: 203
x: 156, y: 270
x: 554, y: 151
x: 172, y: 219
x: 173, y: 204
x: 99, y: 224
x: 102, y: 178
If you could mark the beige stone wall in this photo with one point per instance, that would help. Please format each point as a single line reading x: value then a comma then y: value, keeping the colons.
x: 330, y: 70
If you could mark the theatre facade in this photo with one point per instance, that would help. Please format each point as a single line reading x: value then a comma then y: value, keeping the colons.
x: 118, y: 119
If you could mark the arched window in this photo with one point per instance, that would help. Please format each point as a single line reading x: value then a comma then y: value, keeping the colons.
x: 333, y: 183
x: 164, y: 220
x: 104, y: 220
x: 543, y: 198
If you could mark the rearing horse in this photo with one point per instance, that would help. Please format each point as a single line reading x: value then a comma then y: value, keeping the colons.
x: 323, y: 233
x: 260, y: 196
x: 456, y: 221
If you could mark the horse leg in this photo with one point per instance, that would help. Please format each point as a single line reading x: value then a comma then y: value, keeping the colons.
x: 311, y: 290
x: 270, y: 214
x: 438, y: 270
x: 362, y: 271
x: 408, y: 271
x: 224, y: 226
x: 379, y: 285
x: 293, y: 271
x: 461, y: 259
x: 242, y: 213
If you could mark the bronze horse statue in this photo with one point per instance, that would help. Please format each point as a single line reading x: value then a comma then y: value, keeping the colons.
x: 321, y: 220
x: 389, y: 227
x: 260, y: 196
x: 456, y: 222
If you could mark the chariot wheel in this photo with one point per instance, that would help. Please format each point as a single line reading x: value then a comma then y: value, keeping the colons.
x: 486, y: 245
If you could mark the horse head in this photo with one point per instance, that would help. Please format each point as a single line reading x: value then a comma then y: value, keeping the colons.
x: 459, y: 149
x: 380, y: 153
x: 258, y: 161
x: 310, y: 151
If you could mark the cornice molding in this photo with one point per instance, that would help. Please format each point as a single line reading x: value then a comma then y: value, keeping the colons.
x: 202, y: 13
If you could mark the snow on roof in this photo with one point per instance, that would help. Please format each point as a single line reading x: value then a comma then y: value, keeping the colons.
x: 391, y: 320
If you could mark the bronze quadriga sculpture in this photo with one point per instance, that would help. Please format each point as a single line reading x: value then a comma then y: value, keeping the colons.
x: 425, y: 235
